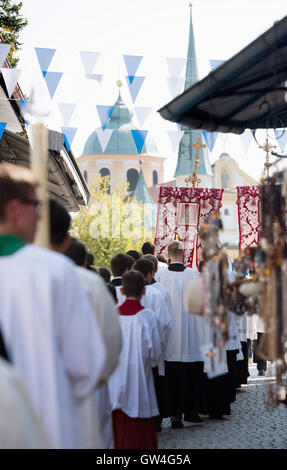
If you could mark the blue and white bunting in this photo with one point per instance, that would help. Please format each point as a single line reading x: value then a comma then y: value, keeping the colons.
x: 246, y: 138
x: 104, y: 113
x: 45, y: 57
x: 132, y: 63
x: 134, y: 86
x: 22, y: 103
x: 176, y: 85
x: 52, y: 79
x: 215, y: 63
x: 4, y: 51
x: 11, y: 77
x: 175, y: 138
x: 142, y: 113
x: 69, y: 134
x: 210, y: 139
x: 66, y: 110
x: 104, y: 137
x: 2, y: 128
x: 89, y: 60
x: 139, y: 138
x: 95, y: 76
x: 281, y: 136
x: 175, y: 66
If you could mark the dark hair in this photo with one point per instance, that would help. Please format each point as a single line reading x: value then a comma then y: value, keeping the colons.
x: 153, y: 259
x: 60, y: 221
x: 144, y: 266
x: 162, y: 258
x: 105, y: 274
x: 134, y: 254
x: 89, y: 259
x: 201, y: 265
x: 77, y: 252
x: 120, y: 263
x: 133, y: 283
x: 148, y: 248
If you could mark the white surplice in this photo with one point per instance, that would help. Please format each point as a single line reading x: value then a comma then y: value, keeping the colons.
x: 251, y: 327
x: 20, y: 428
x: 52, y: 336
x: 188, y: 331
x: 131, y: 386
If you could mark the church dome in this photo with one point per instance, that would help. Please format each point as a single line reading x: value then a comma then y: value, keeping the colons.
x: 122, y: 141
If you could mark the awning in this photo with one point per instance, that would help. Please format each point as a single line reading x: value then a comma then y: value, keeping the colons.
x: 246, y: 92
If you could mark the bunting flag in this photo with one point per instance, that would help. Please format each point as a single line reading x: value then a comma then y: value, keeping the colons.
x: 210, y: 139
x: 4, y: 51
x: 52, y: 80
x: 215, y: 63
x: 66, y: 110
x: 175, y: 138
x: 134, y: 86
x: 45, y: 57
x: 142, y: 112
x: 22, y: 103
x: 89, y: 60
x: 246, y: 138
x: 176, y: 85
x: 132, y: 63
x: 104, y: 137
x: 2, y: 128
x: 95, y: 76
x: 281, y: 136
x: 175, y: 66
x: 105, y: 113
x: 11, y: 77
x: 69, y: 134
x: 139, y: 138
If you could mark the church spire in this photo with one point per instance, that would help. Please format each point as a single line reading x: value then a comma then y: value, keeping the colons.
x: 185, y: 159
x: 142, y: 194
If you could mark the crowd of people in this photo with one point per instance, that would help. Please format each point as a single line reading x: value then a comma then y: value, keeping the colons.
x: 93, y: 357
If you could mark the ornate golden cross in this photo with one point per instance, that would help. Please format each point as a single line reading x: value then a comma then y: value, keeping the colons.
x: 193, y: 179
x: 267, y: 147
x: 211, y: 355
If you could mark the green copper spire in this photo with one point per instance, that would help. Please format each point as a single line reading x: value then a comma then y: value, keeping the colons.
x: 186, y: 154
x: 142, y: 194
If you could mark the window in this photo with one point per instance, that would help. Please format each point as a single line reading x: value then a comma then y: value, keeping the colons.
x: 106, y: 172
x: 132, y: 177
x: 85, y: 173
x: 154, y: 178
x: 224, y: 179
x: 226, y: 212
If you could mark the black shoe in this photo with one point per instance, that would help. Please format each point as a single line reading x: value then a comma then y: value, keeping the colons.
x: 194, y: 419
x: 216, y: 417
x: 176, y: 422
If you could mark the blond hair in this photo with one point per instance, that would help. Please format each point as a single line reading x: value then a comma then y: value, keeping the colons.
x: 175, y: 249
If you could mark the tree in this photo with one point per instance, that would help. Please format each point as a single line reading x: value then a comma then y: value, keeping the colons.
x: 11, y: 23
x: 112, y: 223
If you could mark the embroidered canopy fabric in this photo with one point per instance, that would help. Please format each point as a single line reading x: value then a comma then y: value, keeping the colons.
x: 248, y: 201
x: 181, y: 212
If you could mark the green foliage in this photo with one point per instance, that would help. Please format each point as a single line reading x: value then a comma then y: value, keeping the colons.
x: 111, y: 224
x: 11, y: 23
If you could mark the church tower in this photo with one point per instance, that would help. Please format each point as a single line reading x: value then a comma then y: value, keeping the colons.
x: 186, y: 153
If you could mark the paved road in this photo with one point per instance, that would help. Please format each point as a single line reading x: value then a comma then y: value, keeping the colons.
x: 250, y: 425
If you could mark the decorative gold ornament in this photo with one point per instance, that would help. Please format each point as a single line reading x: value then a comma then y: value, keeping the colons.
x: 193, y: 179
x: 267, y: 147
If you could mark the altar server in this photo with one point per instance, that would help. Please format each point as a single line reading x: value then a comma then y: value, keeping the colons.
x: 120, y: 264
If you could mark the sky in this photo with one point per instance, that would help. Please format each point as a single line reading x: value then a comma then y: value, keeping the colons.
x: 154, y: 29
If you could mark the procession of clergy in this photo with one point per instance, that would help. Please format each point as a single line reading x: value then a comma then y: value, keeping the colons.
x: 89, y: 362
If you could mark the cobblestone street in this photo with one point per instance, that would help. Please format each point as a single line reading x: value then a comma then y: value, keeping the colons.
x: 250, y: 425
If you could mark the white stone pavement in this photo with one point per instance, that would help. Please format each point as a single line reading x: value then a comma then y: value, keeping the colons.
x: 250, y: 426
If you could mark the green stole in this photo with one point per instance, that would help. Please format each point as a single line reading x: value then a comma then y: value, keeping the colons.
x: 9, y: 244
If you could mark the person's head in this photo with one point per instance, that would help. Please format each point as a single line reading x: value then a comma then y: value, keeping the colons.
x: 154, y: 260
x: 201, y: 265
x: 148, y: 248
x: 121, y: 263
x: 76, y: 252
x: 133, y: 285
x: 162, y: 259
x: 60, y: 221
x: 175, y: 251
x: 134, y: 254
x: 19, y: 206
x: 89, y: 260
x: 105, y: 274
x: 146, y: 267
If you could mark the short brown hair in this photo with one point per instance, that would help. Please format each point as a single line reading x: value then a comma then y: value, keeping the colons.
x: 153, y: 259
x: 144, y: 266
x: 15, y: 183
x: 133, y: 283
x: 175, y: 248
x: 120, y: 263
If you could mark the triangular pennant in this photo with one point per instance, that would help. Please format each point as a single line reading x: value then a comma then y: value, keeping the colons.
x: 142, y: 112
x: 135, y: 86
x: 105, y: 113
x: 132, y: 63
x: 45, y: 56
x: 175, y: 138
x: 95, y: 76
x: 52, y: 80
x: 11, y: 77
x: 176, y: 85
x: 210, y: 139
x: 246, y: 138
x: 69, y: 134
x: 139, y: 138
x: 89, y: 60
x: 215, y: 63
x: 281, y: 136
x: 4, y: 51
x: 104, y: 137
x: 2, y: 128
x: 66, y: 110
x: 175, y: 66
x: 22, y: 103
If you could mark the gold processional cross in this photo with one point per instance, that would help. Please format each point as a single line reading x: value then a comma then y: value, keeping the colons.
x: 193, y: 179
x: 267, y: 147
